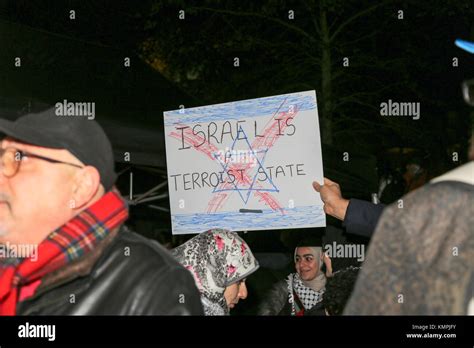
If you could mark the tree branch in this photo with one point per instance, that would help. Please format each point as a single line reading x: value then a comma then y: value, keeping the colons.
x: 259, y: 15
x: 354, y: 17
x: 313, y: 17
x: 359, y: 39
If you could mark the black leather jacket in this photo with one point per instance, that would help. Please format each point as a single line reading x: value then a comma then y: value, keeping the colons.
x: 126, y: 274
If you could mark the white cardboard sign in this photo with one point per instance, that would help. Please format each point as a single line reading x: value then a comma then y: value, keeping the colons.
x: 245, y: 165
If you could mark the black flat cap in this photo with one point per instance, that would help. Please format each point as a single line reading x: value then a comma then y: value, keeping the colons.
x: 82, y: 137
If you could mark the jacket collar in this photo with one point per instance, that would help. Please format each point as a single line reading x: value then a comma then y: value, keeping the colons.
x: 78, y: 268
x: 464, y: 173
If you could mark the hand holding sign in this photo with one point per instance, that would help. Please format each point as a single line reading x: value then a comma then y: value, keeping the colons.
x: 334, y: 204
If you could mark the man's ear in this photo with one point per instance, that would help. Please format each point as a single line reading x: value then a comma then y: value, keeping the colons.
x: 86, y: 185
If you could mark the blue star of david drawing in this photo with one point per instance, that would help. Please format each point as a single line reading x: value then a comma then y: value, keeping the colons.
x: 260, y: 165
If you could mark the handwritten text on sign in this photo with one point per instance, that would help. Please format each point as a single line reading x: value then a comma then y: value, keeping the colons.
x: 245, y: 165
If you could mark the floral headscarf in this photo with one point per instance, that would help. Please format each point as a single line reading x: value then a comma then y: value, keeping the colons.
x: 216, y: 258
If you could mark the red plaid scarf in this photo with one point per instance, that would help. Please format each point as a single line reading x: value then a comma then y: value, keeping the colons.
x: 64, y: 245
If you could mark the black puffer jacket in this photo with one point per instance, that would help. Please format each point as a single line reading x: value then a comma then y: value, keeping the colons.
x: 126, y: 274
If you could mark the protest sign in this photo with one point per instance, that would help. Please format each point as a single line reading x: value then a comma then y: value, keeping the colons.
x: 245, y: 165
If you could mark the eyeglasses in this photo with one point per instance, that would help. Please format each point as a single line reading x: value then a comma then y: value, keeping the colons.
x: 468, y: 91
x: 10, y: 160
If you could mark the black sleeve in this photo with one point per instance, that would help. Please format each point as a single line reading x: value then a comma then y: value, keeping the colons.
x: 171, y: 293
x: 275, y: 299
x: 362, y: 217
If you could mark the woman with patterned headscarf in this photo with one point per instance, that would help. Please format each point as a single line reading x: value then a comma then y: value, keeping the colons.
x: 220, y: 261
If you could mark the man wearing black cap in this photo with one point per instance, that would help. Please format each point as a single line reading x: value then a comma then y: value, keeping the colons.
x: 57, y: 194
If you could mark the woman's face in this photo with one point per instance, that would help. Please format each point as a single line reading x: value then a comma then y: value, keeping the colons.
x: 306, y: 263
x: 233, y: 293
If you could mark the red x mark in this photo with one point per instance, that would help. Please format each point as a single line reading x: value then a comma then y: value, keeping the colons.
x: 270, y: 136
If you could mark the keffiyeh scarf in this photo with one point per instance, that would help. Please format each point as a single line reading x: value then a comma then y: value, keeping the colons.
x: 308, y: 297
x: 308, y: 293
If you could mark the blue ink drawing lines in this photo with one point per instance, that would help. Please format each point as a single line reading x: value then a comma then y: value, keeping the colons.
x: 260, y: 169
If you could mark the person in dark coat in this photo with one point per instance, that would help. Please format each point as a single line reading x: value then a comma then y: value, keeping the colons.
x: 338, y: 290
x: 420, y: 261
x: 57, y: 195
x: 421, y: 257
